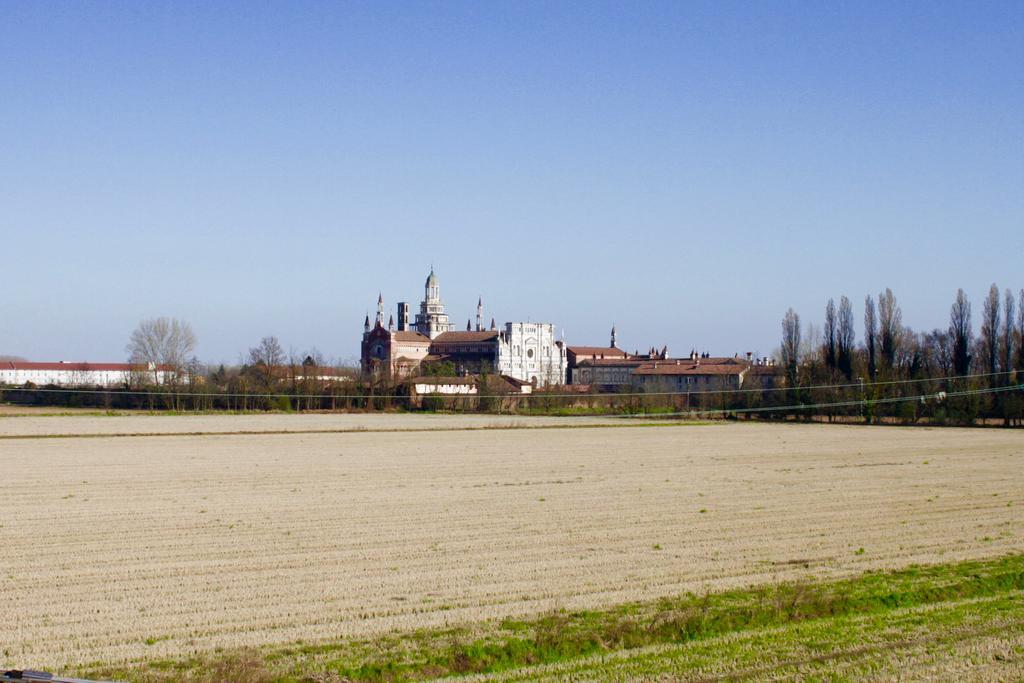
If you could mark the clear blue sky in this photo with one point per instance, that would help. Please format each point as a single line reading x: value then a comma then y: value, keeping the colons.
x: 686, y: 170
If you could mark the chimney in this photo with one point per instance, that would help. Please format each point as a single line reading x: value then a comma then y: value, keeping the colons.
x: 749, y: 355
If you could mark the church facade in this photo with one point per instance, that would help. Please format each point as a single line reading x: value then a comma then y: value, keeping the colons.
x: 525, y: 351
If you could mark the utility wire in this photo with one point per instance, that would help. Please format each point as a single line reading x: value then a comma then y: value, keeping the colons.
x: 440, y: 380
x: 938, y: 396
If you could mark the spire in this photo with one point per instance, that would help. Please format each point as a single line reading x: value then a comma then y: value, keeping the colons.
x: 366, y: 325
x: 613, y: 336
x: 391, y: 324
x: 469, y: 327
x: 493, y: 326
x: 480, y: 314
x: 380, y: 310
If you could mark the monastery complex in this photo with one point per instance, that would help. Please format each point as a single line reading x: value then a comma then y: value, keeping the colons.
x: 529, y: 352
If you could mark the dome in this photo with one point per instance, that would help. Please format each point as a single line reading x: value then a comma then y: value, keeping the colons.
x: 431, y: 279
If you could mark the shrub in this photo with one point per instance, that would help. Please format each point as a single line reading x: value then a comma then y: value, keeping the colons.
x: 432, y: 402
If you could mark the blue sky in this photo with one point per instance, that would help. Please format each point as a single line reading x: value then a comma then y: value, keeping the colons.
x: 684, y: 170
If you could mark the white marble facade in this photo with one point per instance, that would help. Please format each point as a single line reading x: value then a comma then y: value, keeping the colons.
x: 529, y: 352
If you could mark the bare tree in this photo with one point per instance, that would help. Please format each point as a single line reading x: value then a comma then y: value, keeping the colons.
x: 938, y: 353
x: 266, y: 359
x: 1020, y: 335
x: 268, y: 352
x: 890, y: 328
x: 316, y: 358
x: 159, y: 342
x: 871, y: 336
x: 1008, y: 341
x: 990, y: 334
x: 811, y: 347
x: 790, y: 350
x: 960, y: 333
x: 910, y: 355
x: 845, y: 336
x: 313, y: 370
x: 830, y: 335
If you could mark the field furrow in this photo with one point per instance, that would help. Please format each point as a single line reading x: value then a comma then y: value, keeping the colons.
x: 128, y: 548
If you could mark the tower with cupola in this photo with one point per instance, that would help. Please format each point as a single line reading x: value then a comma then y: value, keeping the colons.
x: 432, y: 320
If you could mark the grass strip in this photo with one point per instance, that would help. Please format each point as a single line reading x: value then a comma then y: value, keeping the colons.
x: 567, y: 636
x: 903, y: 643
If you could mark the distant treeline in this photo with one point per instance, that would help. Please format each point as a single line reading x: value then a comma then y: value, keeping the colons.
x: 893, y: 374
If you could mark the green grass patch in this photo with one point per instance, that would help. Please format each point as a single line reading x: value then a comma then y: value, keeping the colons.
x: 567, y: 636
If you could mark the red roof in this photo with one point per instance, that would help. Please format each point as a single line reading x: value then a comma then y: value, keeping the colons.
x: 410, y: 336
x: 607, y: 351
x: 75, y: 366
x: 690, y: 368
x: 717, y: 360
x: 463, y: 337
x: 612, y: 362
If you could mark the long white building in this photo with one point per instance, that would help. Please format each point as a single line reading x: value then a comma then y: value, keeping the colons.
x: 70, y: 374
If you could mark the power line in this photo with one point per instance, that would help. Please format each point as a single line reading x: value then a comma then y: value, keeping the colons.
x: 938, y: 396
x: 202, y: 394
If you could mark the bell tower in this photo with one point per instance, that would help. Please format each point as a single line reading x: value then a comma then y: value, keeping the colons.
x: 432, y: 320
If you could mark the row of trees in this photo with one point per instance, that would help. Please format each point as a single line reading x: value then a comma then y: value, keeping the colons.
x: 893, y: 372
x: 894, y: 363
x: 267, y: 377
